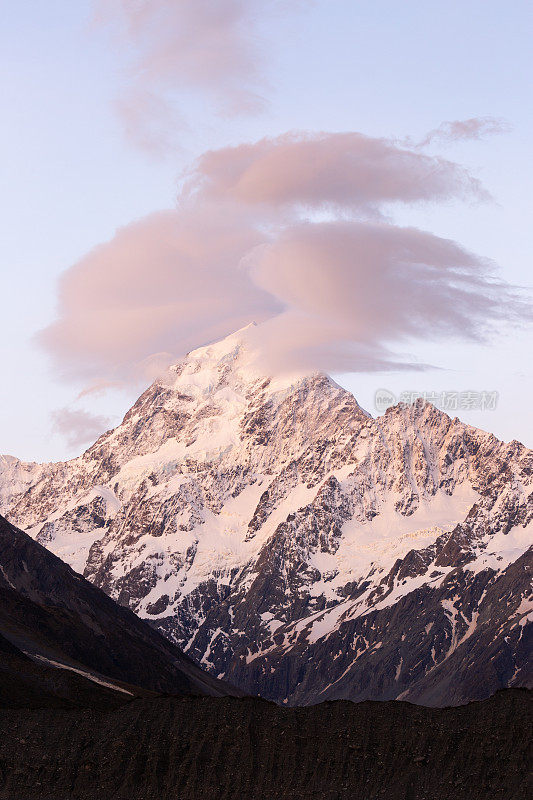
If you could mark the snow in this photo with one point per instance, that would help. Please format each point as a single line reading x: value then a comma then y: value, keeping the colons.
x: 525, y: 611
x: 325, y: 622
x: 201, y: 373
x: 2, y: 570
x: 111, y: 502
x: 499, y: 550
x: 391, y: 535
x: 410, y: 585
x: 472, y: 626
x: 89, y: 675
x: 74, y: 547
x: 221, y: 547
x: 399, y: 669
x: 15, y: 477
x: 205, y: 658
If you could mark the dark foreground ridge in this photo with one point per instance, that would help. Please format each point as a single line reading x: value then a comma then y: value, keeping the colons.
x: 64, y: 643
x: 207, y: 748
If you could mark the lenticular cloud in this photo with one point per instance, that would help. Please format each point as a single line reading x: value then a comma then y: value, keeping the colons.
x: 341, y: 171
x: 294, y: 233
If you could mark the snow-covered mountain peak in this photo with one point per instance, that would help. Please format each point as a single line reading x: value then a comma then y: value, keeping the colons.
x: 217, y: 404
x: 236, y: 346
x: 233, y: 364
x: 254, y: 517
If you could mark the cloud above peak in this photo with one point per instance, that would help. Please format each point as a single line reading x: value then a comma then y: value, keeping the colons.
x: 162, y: 283
x: 249, y: 240
x: 355, y: 294
x: 347, y: 171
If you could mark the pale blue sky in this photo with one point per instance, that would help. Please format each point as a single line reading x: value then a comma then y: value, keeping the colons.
x: 69, y: 177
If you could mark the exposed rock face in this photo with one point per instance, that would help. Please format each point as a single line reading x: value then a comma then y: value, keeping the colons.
x: 293, y: 544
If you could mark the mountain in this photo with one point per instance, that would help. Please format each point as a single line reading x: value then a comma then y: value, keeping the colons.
x: 294, y: 545
x: 64, y: 643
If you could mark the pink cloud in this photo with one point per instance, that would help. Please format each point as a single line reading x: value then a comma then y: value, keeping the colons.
x: 475, y: 128
x: 149, y: 122
x: 77, y: 426
x: 354, y: 292
x: 339, y: 294
x: 99, y: 387
x: 210, y: 47
x: 340, y: 170
x: 161, y: 285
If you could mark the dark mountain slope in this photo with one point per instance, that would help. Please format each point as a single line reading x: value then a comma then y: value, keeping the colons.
x: 26, y: 684
x: 207, y: 748
x: 53, y: 615
x: 445, y: 645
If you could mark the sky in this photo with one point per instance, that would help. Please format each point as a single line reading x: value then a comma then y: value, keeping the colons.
x: 354, y: 176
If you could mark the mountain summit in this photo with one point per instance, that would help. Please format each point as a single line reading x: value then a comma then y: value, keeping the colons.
x: 293, y: 544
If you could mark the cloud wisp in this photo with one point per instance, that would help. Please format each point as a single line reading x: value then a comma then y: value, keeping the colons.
x: 77, y: 426
x: 293, y: 233
x: 211, y: 48
x: 464, y: 130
